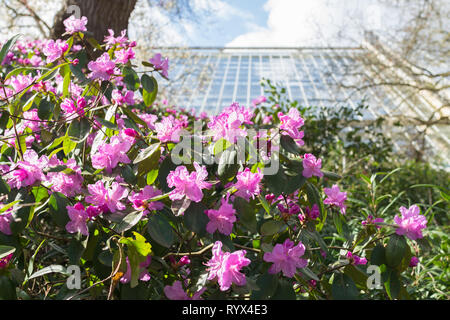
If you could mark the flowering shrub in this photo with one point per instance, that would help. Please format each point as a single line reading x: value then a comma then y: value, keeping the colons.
x: 90, y: 177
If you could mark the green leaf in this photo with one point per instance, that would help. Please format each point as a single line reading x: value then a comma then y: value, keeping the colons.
x: 392, y: 284
x: 139, y: 243
x: 147, y: 83
x: 331, y: 175
x: 79, y: 129
x: 9, y: 45
x: 151, y: 176
x: 57, y: 208
x: 4, y: 187
x: 289, y: 145
x: 130, y: 78
x: 160, y: 230
x: 150, y: 96
x: 395, y: 250
x: 196, y: 219
x: 50, y: 269
x: 147, y: 153
x: 246, y: 212
x: 68, y: 145
x: 378, y: 256
x: 343, y: 288
x: 272, y: 227
x: 129, y: 221
x: 45, y: 109
x: 6, y: 250
x: 284, y: 291
x: 7, y: 289
x: 337, y: 219
x: 267, y: 284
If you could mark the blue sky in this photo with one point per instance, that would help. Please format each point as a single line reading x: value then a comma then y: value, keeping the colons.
x: 218, y: 31
x: 284, y: 22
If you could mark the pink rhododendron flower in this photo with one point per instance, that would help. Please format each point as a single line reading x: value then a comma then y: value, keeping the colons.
x: 176, y: 292
x: 314, y: 212
x: 226, y: 266
x: 28, y: 171
x: 78, y: 219
x: 102, y: 68
x: 124, y: 55
x: 286, y: 258
x: 73, y: 24
x: 127, y: 97
x: 111, y: 40
x: 336, y: 197
x: 311, y: 166
x: 189, y: 185
x: 110, y: 154
x: 68, y: 184
x: 168, y: 129
x: 267, y: 119
x: 413, y: 262
x: 4, y: 261
x: 248, y: 184
x: 259, y: 100
x: 107, y: 199
x: 411, y: 222
x: 5, y: 221
x: 228, y: 124
x: 149, y: 119
x: 371, y: 221
x: 54, y: 49
x: 143, y: 276
x: 73, y: 109
x: 139, y: 200
x: 292, y: 207
x: 290, y: 123
x: 160, y: 64
x: 222, y: 219
x: 354, y: 259
x: 20, y: 82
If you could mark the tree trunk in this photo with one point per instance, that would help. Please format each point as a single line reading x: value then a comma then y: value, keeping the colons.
x: 102, y: 15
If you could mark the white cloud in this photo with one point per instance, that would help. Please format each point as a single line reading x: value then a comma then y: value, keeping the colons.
x: 312, y: 22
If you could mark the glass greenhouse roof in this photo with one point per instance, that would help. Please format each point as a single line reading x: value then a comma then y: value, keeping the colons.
x: 210, y: 79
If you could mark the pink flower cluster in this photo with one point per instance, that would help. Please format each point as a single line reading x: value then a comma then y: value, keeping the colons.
x: 110, y: 154
x: 68, y: 184
x: 54, y: 49
x: 228, y: 124
x: 286, y: 258
x: 102, y: 68
x: 354, y: 259
x: 5, y: 220
x: 311, y: 166
x: 411, y: 222
x: 139, y: 200
x: 74, y: 25
x: 176, y: 292
x: 290, y: 123
x: 248, y: 184
x: 189, y: 185
x: 372, y: 221
x: 169, y: 129
x: 5, y: 260
x: 108, y: 199
x: 28, y: 171
x: 335, y: 197
x: 222, y: 219
x: 226, y: 267
x: 160, y: 64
